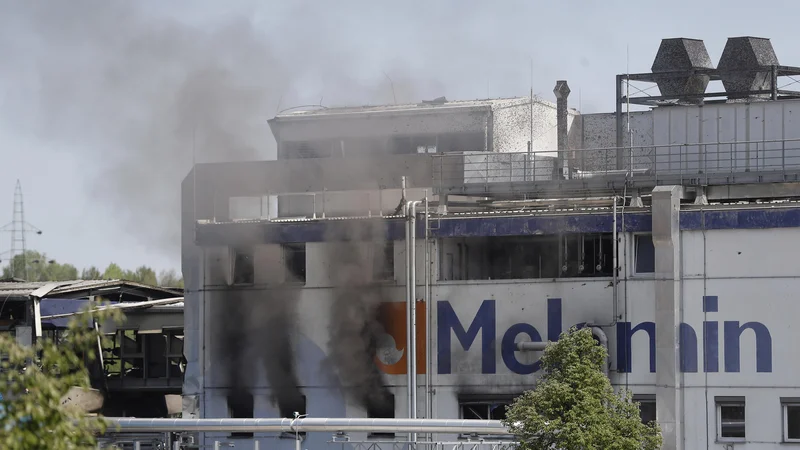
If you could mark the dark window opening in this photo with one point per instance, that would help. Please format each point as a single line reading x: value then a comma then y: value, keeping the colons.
x: 241, y: 406
x: 287, y: 410
x: 243, y: 266
x: 383, y: 261
x: 308, y: 149
x: 527, y: 257
x: 791, y: 413
x: 484, y: 409
x: 645, y: 254
x: 295, y: 260
x: 731, y: 416
x: 381, y: 409
x: 647, y: 407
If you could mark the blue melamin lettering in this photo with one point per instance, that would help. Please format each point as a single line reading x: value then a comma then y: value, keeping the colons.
x: 508, y: 348
x: 733, y: 333
x: 624, y: 335
x: 484, y: 322
x: 688, y: 348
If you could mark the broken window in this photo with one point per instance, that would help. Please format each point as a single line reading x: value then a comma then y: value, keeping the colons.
x: 295, y: 260
x: 486, y: 408
x: 243, y: 267
x: 241, y: 406
x: 292, y: 409
x: 382, y: 409
x: 527, y: 257
x: 383, y: 261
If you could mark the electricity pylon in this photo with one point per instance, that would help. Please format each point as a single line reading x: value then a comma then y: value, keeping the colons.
x: 18, y: 227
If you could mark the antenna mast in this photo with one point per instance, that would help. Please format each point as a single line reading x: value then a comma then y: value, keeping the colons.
x: 18, y: 227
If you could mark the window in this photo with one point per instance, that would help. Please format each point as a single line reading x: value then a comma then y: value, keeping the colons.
x: 382, y: 409
x: 645, y: 254
x: 287, y: 409
x: 383, y: 261
x: 295, y: 260
x: 484, y: 409
x: 240, y: 406
x: 791, y: 419
x: 730, y: 418
x: 647, y: 407
x: 243, y: 268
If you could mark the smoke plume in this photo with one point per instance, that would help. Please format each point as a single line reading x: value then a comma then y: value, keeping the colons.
x: 354, y: 323
x: 138, y: 96
x: 258, y: 324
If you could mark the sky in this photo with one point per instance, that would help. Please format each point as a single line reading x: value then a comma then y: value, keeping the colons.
x: 104, y: 104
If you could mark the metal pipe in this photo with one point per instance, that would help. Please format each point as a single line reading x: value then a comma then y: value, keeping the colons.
x: 428, y: 308
x: 601, y: 336
x: 408, y: 314
x: 531, y: 346
x: 131, y: 425
x: 411, y: 281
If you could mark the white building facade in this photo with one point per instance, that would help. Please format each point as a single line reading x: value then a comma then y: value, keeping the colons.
x: 685, y: 264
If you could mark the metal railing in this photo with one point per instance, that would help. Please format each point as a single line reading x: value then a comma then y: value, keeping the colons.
x: 701, y: 163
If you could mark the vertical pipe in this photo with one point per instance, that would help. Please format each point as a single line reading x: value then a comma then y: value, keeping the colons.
x: 615, y: 270
x: 137, y: 445
x: 216, y: 445
x: 411, y: 309
x: 177, y: 445
x: 427, y: 294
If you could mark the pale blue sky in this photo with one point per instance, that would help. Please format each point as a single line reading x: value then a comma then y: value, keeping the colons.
x: 98, y: 98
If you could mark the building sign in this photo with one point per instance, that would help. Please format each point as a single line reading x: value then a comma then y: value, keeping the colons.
x: 391, y: 356
x: 484, y: 322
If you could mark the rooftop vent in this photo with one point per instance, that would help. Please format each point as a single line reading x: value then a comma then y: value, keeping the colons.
x: 682, y: 55
x: 740, y: 63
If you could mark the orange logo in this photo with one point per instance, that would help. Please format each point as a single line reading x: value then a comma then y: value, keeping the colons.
x: 391, y: 355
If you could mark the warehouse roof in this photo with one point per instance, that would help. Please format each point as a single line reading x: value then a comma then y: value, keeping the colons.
x: 119, y: 290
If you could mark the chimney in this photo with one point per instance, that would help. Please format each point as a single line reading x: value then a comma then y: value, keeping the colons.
x: 562, y: 93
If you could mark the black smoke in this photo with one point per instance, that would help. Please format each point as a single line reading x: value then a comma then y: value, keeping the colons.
x: 355, y: 327
x: 258, y: 324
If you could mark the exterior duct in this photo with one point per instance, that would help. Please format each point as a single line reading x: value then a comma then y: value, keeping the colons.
x: 682, y: 55
x: 746, y: 65
x: 125, y: 425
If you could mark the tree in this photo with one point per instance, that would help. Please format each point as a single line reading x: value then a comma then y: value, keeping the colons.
x: 36, y: 379
x: 91, y: 274
x: 113, y: 272
x: 574, y: 407
x: 35, y: 266
x: 169, y: 278
x: 142, y: 274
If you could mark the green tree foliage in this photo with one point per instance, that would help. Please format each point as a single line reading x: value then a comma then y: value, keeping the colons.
x: 142, y: 274
x: 113, y: 272
x: 169, y: 278
x: 34, y: 381
x: 92, y: 273
x: 35, y: 266
x: 574, y: 407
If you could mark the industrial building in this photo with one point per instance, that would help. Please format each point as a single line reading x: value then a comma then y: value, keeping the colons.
x: 140, y: 373
x: 499, y: 224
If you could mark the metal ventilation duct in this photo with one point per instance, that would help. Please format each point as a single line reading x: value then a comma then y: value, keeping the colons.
x: 682, y: 55
x: 740, y: 63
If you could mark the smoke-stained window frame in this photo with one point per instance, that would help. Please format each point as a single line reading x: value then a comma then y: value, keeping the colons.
x: 289, y: 252
x: 383, y: 261
x: 250, y: 275
x: 371, y: 414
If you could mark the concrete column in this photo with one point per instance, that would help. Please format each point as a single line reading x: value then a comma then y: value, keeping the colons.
x: 666, y: 239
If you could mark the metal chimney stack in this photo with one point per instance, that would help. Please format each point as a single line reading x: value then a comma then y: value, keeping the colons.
x: 746, y: 65
x: 562, y: 94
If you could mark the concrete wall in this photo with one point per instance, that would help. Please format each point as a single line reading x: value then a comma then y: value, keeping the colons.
x: 747, y: 270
